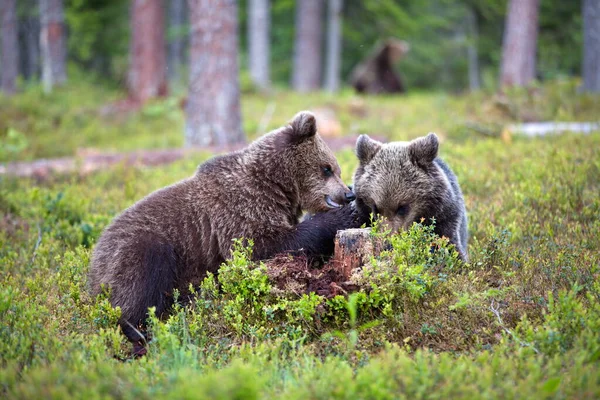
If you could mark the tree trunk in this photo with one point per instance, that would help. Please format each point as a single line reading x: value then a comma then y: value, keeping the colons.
x: 147, y: 52
x: 591, y: 45
x: 10, y: 47
x: 213, y: 115
x: 177, y: 38
x: 334, y: 46
x: 29, y: 38
x: 307, y: 51
x: 53, y: 44
x: 472, y: 55
x: 519, y: 43
x: 259, y: 53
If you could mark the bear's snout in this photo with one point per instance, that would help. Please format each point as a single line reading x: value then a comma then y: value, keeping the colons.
x: 350, y: 196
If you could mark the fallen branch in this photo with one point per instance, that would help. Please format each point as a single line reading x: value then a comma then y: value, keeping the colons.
x: 501, y: 323
x: 88, y: 162
x: 551, y: 128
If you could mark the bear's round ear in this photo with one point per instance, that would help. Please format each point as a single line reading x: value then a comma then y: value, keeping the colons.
x: 304, y: 125
x: 424, y: 150
x: 301, y: 127
x: 366, y: 148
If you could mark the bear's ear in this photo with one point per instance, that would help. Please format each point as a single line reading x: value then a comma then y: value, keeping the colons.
x: 304, y: 126
x: 424, y: 150
x: 366, y: 148
x: 300, y: 128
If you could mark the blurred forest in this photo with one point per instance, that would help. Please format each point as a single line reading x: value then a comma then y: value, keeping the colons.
x: 209, y: 52
x: 441, y: 33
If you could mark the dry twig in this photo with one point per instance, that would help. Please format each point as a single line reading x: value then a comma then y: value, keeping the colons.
x: 501, y: 323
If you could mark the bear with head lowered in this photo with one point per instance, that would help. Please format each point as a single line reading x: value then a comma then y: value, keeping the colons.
x: 406, y: 182
x: 176, y: 235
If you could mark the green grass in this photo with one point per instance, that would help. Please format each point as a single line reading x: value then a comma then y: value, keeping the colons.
x: 521, y: 320
x: 83, y: 116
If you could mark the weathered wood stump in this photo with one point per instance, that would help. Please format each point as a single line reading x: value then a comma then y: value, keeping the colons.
x: 353, y: 247
x: 294, y: 275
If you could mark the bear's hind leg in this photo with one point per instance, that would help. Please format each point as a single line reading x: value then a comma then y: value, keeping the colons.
x: 155, y: 283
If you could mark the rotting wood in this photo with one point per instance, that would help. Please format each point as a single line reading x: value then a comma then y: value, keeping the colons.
x: 295, y: 275
x: 353, y: 247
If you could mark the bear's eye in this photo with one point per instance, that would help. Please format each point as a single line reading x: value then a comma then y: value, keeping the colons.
x: 327, y: 171
x: 402, y: 210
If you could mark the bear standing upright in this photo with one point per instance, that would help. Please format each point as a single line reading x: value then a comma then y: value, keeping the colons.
x: 405, y: 182
x: 177, y: 234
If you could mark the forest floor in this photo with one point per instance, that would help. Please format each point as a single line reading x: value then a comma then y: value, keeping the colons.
x: 520, y: 320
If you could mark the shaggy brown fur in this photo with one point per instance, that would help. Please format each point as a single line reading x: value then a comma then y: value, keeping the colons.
x: 177, y: 234
x: 405, y: 182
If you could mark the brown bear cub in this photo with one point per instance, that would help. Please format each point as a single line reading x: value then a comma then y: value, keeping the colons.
x: 405, y: 182
x: 177, y: 234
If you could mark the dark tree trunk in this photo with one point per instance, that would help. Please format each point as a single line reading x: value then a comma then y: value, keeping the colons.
x: 519, y: 43
x: 177, y: 38
x: 591, y: 45
x: 213, y: 115
x: 29, y: 41
x: 147, y: 52
x: 10, y: 47
x: 53, y: 44
x: 334, y: 45
x: 259, y: 21
x: 307, y: 51
x: 472, y: 54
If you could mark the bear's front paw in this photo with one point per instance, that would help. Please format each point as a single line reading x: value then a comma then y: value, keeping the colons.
x: 349, y: 217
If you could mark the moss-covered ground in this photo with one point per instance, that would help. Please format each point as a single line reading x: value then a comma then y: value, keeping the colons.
x: 521, y: 320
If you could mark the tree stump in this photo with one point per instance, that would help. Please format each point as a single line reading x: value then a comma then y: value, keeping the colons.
x: 293, y: 275
x: 352, y: 248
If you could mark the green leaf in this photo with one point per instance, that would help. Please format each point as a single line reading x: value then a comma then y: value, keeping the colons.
x: 594, y: 357
x: 551, y: 385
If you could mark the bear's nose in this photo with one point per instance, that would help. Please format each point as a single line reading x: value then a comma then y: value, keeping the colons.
x: 350, y: 196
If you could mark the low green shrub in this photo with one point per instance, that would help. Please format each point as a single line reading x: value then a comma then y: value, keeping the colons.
x: 520, y: 320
